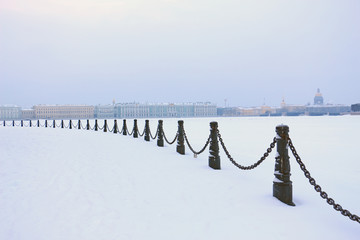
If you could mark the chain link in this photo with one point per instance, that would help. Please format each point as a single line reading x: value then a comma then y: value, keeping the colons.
x: 172, y: 142
x: 266, y: 154
x: 142, y: 133
x: 189, y: 145
x: 318, y: 189
x: 154, y: 137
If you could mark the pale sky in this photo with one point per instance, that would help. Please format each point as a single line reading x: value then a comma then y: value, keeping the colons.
x: 248, y: 52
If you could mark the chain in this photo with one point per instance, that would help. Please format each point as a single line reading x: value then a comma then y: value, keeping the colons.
x: 157, y: 132
x: 189, y: 145
x: 129, y: 132
x: 317, y: 188
x: 172, y: 142
x: 111, y: 129
x: 142, y: 133
x: 266, y: 154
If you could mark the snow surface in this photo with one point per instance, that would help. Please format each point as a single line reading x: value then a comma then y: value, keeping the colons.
x: 78, y: 184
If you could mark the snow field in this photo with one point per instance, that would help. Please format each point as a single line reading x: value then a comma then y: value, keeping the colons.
x: 78, y: 184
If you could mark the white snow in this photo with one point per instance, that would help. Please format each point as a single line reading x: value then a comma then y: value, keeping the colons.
x: 78, y: 184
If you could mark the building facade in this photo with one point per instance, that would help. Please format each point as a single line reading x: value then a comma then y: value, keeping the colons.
x: 10, y: 112
x: 28, y: 114
x: 165, y: 110
x: 63, y: 111
x: 104, y: 111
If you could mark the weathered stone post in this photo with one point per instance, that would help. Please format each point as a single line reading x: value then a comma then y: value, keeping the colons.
x: 214, y: 158
x: 96, y: 125
x: 282, y: 186
x: 135, y: 129
x: 124, y: 128
x: 79, y: 124
x: 70, y: 124
x: 160, y: 140
x: 105, y: 125
x: 147, y: 131
x: 115, y: 126
x: 180, y: 148
x: 87, y: 124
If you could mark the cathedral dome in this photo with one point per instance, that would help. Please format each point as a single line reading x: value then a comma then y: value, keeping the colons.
x: 318, y: 99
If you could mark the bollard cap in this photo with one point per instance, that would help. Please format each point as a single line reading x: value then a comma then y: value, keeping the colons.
x: 213, y: 124
x: 181, y: 122
x: 282, y: 130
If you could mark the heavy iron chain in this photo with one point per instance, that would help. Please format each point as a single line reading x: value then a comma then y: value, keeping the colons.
x: 266, y: 154
x: 173, y: 141
x: 317, y: 188
x: 157, y: 132
x: 189, y: 145
x: 112, y: 130
x: 129, y: 132
x: 142, y: 133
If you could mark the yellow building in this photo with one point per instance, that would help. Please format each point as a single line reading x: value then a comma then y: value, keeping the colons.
x: 63, y: 111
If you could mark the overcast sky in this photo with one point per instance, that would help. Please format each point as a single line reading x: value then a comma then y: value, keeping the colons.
x: 248, y: 52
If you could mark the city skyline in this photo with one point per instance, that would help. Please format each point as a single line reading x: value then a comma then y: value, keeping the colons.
x: 317, y: 95
x: 248, y: 52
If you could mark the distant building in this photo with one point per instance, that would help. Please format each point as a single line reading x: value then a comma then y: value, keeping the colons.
x: 318, y: 99
x: 327, y: 110
x: 28, y: 114
x: 355, y: 107
x: 63, y: 111
x: 10, y: 112
x: 104, y: 111
x: 164, y: 110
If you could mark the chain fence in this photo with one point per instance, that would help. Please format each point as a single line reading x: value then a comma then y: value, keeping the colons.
x: 192, y: 149
x: 266, y: 154
x: 318, y: 188
x: 307, y: 174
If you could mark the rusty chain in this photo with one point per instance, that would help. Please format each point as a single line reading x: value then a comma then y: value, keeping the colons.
x: 317, y: 188
x: 266, y: 154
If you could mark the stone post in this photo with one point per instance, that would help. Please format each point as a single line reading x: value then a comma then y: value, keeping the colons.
x: 282, y: 186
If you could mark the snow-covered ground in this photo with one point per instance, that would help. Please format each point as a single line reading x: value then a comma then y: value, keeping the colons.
x: 78, y: 184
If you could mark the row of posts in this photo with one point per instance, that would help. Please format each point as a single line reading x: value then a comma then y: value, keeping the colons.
x: 282, y: 185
